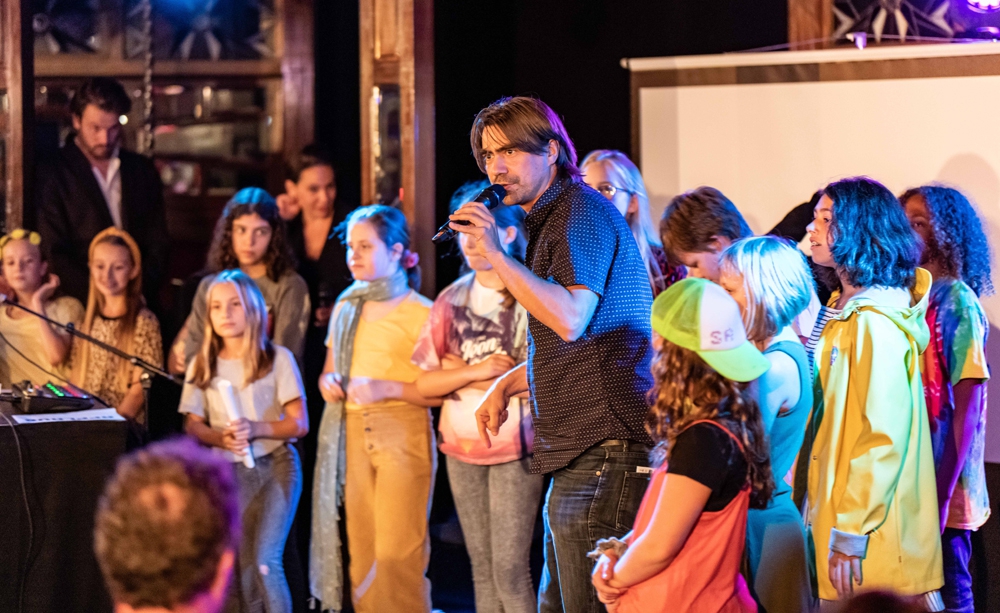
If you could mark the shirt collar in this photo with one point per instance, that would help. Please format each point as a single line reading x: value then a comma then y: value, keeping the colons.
x: 545, y: 205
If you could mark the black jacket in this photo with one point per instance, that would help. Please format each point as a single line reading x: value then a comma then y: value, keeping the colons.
x: 72, y: 210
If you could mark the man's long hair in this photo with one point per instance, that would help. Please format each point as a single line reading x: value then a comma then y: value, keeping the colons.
x: 528, y: 125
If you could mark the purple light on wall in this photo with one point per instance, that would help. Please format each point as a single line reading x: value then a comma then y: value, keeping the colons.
x: 984, y: 5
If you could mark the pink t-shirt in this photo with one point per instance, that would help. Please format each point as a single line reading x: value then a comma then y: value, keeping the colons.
x: 469, y: 321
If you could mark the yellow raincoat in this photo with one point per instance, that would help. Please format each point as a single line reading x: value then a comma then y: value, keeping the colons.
x: 872, y: 490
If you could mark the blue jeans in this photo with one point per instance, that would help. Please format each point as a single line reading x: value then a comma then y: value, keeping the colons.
x: 268, y: 496
x: 596, y: 496
x: 956, y: 547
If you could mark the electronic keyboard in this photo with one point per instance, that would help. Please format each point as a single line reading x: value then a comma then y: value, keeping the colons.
x: 48, y: 398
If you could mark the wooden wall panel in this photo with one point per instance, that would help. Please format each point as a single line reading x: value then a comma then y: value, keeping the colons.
x: 18, y: 73
x: 809, y: 21
x: 298, y: 75
x: 397, y: 48
x: 389, y: 37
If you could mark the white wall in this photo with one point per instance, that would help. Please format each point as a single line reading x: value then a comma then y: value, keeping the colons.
x: 770, y: 146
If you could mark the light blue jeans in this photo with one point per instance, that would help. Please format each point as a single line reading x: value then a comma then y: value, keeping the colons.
x: 497, y: 506
x: 268, y: 496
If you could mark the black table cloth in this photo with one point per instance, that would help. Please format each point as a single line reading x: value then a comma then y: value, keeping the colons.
x: 65, y: 466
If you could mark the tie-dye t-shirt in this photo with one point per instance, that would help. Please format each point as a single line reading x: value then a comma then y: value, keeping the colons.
x: 957, y: 351
x: 470, y: 322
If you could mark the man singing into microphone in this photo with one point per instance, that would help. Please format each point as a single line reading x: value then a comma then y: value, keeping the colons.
x: 588, y: 297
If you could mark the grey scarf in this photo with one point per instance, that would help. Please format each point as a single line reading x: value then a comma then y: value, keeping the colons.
x: 325, y: 563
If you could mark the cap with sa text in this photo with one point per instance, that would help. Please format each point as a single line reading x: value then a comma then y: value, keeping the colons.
x: 699, y: 315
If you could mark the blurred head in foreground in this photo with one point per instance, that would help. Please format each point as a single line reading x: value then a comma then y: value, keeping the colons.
x: 166, y: 529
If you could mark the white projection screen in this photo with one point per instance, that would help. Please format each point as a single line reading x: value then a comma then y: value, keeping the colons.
x: 769, y: 129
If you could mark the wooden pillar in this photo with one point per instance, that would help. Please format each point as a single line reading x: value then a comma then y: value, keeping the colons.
x: 298, y: 75
x: 17, y: 78
x: 809, y: 22
x: 397, y: 55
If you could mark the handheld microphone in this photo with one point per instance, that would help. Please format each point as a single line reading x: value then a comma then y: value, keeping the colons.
x: 492, y: 197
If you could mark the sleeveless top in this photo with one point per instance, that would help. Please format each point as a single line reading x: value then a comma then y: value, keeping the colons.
x: 705, y: 576
x: 786, y: 431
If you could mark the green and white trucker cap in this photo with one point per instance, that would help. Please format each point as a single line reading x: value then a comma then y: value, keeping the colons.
x: 699, y: 315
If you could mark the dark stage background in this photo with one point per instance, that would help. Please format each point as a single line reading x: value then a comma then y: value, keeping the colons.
x: 566, y: 52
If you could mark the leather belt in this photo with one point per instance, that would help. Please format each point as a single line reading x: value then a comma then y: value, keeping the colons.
x: 619, y: 442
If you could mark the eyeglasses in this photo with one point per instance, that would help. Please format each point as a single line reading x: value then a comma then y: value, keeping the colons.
x: 608, y: 191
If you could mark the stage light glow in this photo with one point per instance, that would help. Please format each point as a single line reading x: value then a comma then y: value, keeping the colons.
x: 985, y: 6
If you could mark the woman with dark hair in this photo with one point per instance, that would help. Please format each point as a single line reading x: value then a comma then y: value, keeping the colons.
x: 308, y: 208
x: 870, y: 469
x: 955, y: 371
x: 250, y: 235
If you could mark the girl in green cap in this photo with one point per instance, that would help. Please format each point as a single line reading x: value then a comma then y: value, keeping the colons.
x: 685, y: 550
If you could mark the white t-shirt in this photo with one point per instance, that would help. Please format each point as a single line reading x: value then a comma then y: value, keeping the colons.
x: 262, y: 400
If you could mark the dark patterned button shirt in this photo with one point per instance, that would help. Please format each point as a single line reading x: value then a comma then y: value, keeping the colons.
x: 593, y: 388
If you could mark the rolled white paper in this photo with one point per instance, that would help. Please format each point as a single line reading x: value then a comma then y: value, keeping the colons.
x: 235, y: 411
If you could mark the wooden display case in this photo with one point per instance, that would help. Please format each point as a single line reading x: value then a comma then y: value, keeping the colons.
x: 232, y: 92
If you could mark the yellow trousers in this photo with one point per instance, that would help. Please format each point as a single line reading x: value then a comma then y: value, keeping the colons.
x: 391, y: 461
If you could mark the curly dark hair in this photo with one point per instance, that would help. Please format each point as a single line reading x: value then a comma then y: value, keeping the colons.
x: 870, y: 238
x: 687, y: 389
x: 165, y: 519
x: 248, y: 201
x: 958, y: 243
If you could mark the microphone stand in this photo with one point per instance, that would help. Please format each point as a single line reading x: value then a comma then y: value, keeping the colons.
x: 148, y: 370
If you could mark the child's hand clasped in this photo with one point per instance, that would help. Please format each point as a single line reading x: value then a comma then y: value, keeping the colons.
x: 237, y: 435
x: 329, y: 387
x: 362, y: 390
x: 604, y: 572
x: 494, y: 366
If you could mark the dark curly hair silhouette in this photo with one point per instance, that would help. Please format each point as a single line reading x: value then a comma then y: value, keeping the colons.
x: 957, y: 242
